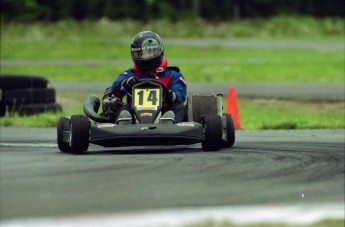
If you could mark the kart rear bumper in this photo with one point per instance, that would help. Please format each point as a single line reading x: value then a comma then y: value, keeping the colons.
x: 112, y: 135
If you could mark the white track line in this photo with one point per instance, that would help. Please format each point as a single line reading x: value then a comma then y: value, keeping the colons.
x: 46, y: 145
x: 296, y: 215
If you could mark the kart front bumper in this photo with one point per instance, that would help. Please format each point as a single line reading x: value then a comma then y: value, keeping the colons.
x: 113, y: 135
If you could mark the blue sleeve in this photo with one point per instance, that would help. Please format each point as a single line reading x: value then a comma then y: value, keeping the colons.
x: 179, y: 86
x: 115, y: 88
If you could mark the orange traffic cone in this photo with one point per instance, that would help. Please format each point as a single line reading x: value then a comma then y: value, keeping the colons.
x: 232, y: 107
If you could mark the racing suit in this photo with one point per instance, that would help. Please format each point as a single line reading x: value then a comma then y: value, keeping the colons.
x: 170, y: 76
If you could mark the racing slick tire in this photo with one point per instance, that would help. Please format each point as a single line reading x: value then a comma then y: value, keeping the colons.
x: 230, y: 131
x: 61, y: 127
x: 79, y: 134
x: 213, y: 130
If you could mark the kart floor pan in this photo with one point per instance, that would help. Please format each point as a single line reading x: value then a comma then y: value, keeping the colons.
x: 111, y: 135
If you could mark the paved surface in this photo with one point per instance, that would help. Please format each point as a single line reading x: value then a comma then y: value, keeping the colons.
x: 263, y: 167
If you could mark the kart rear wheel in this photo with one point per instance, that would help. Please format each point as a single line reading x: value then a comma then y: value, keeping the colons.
x: 63, y: 146
x: 213, y: 130
x: 230, y: 131
x: 79, y: 134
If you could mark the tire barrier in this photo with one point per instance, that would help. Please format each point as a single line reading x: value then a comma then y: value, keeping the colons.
x: 30, y: 109
x: 8, y: 82
x: 26, y: 95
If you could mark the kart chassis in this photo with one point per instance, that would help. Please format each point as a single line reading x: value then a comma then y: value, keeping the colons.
x: 206, y: 123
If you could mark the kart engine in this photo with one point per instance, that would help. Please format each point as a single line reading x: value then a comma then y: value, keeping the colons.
x: 111, y: 105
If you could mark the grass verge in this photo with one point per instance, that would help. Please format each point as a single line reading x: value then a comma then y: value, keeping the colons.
x: 236, y: 51
x: 282, y: 114
x: 279, y: 49
x: 254, y: 114
x: 211, y: 65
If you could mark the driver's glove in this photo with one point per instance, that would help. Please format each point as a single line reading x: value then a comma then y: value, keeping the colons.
x: 128, y: 83
x: 170, y: 97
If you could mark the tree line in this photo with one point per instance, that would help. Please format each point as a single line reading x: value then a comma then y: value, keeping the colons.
x: 174, y: 10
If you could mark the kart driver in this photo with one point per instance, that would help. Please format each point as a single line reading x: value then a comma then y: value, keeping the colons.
x: 149, y: 63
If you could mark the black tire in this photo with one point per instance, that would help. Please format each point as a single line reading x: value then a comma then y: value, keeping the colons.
x: 79, y: 134
x: 21, y: 82
x: 230, y: 128
x: 213, y: 130
x: 61, y: 127
x: 28, y: 96
x: 30, y: 109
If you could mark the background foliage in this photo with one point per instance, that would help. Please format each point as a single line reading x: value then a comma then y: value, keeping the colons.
x: 87, y: 41
x: 174, y: 10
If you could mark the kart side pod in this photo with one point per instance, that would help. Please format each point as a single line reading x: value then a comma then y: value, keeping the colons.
x: 201, y: 105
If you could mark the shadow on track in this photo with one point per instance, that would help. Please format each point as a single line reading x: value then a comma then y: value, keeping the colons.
x: 153, y: 150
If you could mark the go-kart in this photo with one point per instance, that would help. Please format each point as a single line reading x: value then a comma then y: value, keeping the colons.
x: 206, y: 123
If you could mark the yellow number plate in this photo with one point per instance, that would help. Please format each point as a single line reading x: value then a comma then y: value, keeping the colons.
x: 146, y: 98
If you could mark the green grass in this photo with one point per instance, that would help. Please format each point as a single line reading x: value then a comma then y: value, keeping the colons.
x: 254, y: 114
x: 109, y: 41
x: 279, y: 114
x: 206, y: 65
x: 106, y: 40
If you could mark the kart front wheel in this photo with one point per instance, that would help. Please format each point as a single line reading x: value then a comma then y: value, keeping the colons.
x: 79, y: 134
x: 213, y: 133
x: 230, y: 131
x: 63, y: 146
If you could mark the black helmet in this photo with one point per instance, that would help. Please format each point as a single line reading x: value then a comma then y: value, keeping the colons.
x: 147, y: 50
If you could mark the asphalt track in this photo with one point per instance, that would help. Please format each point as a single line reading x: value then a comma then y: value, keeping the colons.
x: 263, y: 168
x: 271, y: 171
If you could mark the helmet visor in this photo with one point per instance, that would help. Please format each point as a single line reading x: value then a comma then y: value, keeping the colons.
x: 146, y: 53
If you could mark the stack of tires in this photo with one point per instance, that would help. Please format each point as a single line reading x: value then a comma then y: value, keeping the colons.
x: 26, y: 95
